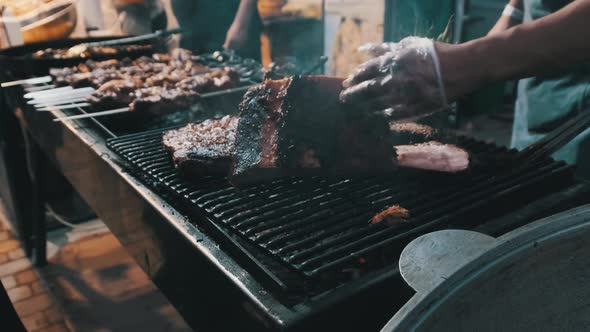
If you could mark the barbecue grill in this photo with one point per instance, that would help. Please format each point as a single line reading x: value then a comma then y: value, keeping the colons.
x: 308, y: 235
x: 291, y: 255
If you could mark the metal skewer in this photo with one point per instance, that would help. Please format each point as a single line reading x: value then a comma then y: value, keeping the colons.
x: 62, y: 107
x: 92, y: 115
x: 59, y: 99
x: 58, y: 103
x: 36, y: 80
x: 39, y: 88
x: 36, y: 94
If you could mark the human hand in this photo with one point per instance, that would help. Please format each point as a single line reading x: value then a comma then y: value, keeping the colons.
x: 403, y: 81
x: 236, y: 38
x: 378, y: 49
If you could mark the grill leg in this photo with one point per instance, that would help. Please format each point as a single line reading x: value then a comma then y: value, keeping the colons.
x: 15, y: 189
x: 39, y: 227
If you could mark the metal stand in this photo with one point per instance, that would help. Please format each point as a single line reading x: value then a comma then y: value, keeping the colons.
x: 15, y: 184
x: 39, y: 225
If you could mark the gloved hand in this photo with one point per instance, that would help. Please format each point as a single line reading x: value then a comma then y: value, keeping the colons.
x: 403, y: 80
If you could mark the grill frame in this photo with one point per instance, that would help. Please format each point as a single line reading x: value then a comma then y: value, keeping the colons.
x: 288, y: 289
x: 191, y: 255
x: 202, y: 280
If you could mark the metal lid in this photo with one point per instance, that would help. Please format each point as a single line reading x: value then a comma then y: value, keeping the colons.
x: 535, y: 278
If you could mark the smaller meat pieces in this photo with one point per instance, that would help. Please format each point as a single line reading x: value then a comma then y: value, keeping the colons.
x: 393, y: 215
x: 204, y: 148
x: 225, y: 78
x: 410, y: 133
x: 216, y: 158
x: 112, y: 95
x: 434, y: 156
x: 172, y: 93
x: 159, y: 69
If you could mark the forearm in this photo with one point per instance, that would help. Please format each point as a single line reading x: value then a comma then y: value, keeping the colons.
x: 504, y: 22
x: 246, y: 13
x: 546, y: 45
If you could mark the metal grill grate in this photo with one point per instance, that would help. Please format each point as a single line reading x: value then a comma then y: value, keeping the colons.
x: 317, y: 229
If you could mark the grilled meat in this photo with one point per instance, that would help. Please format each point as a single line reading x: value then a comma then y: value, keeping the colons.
x: 97, y: 51
x: 160, y: 94
x: 393, y: 215
x: 156, y: 70
x: 113, y: 94
x: 159, y: 83
x: 297, y: 126
x: 434, y: 156
x: 410, y: 133
x: 204, y: 148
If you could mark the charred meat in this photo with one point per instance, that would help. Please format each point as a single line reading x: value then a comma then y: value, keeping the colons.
x: 297, y: 126
x: 204, y: 148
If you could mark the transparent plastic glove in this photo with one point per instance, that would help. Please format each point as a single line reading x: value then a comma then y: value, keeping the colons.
x: 375, y: 50
x: 403, y: 83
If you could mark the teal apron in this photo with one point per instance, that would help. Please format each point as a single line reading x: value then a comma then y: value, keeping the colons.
x: 544, y: 103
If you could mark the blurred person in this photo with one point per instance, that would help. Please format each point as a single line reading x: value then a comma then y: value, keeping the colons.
x: 139, y: 17
x: 211, y: 25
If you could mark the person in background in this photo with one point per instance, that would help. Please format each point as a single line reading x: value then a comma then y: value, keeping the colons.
x: 211, y: 25
x: 139, y: 17
x: 542, y: 42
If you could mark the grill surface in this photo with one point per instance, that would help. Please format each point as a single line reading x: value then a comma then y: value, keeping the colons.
x: 306, y: 236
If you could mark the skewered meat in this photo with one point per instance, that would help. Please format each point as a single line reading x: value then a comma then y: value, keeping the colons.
x: 285, y: 128
x: 204, y: 148
x: 96, y: 51
x: 159, y: 83
x: 163, y: 65
x: 162, y: 99
x: 113, y: 94
x: 160, y: 95
x: 433, y: 156
x: 297, y: 126
x: 392, y: 215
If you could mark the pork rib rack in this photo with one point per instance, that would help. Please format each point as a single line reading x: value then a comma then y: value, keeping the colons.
x: 297, y: 126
